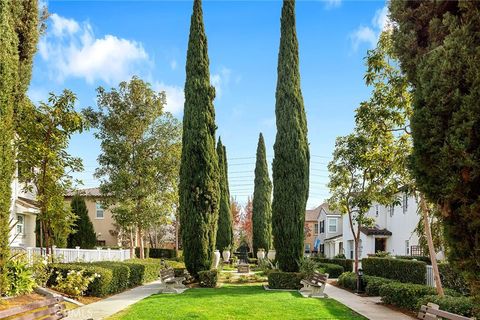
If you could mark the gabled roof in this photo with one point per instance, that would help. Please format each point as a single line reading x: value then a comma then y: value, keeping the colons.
x: 375, y: 231
x: 89, y: 192
x: 334, y: 237
x: 312, y: 215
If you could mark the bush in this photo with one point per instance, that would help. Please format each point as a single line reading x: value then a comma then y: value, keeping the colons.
x: 74, y: 284
x: 460, y: 305
x: 333, y: 270
x: 397, y: 269
x: 157, y: 253
x: 347, y: 264
x: 418, y: 258
x: 307, y: 266
x: 252, y: 260
x: 20, y: 278
x: 120, y: 274
x: 404, y: 295
x: 150, y: 269
x: 348, y: 280
x: 373, y: 285
x: 453, y: 279
x: 208, y: 279
x: 285, y: 280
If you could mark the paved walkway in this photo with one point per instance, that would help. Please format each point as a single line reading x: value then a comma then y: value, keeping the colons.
x: 366, y: 306
x: 111, y: 305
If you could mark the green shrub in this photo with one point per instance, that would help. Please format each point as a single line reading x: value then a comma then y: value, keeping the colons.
x: 348, y: 280
x: 120, y: 274
x: 347, y: 264
x: 407, y: 271
x: 157, y: 253
x: 285, y: 280
x: 333, y: 270
x: 20, y: 277
x: 460, y: 305
x: 74, y: 284
x: 373, y: 284
x: 418, y: 258
x: 307, y: 266
x: 404, y: 295
x: 208, y: 278
x: 252, y: 260
x: 453, y: 279
x: 151, y: 269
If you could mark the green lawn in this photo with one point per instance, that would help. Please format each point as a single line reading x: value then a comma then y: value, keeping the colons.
x: 235, y: 302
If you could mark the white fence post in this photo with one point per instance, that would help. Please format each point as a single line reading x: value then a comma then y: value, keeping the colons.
x: 29, y: 255
x: 109, y: 254
x: 77, y: 248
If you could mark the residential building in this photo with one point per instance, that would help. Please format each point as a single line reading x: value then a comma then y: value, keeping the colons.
x: 311, y: 229
x: 329, y: 238
x: 394, y: 230
x: 102, y: 220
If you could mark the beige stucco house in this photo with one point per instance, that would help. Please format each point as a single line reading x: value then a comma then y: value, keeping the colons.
x: 102, y: 220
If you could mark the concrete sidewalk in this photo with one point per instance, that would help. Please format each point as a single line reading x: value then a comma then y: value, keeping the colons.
x: 111, y: 305
x: 366, y: 306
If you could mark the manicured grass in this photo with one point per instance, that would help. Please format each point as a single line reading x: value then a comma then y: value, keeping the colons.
x: 235, y: 302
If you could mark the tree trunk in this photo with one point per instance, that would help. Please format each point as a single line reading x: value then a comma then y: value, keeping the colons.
x: 132, y: 245
x: 140, y: 240
x: 176, y: 238
x: 431, y: 249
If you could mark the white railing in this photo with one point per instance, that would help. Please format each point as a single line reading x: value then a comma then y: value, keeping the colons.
x: 77, y: 254
x: 430, y: 278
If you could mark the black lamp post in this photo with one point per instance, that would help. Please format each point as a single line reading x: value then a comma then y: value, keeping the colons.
x: 360, y: 283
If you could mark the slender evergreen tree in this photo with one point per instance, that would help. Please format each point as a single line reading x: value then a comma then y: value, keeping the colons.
x: 199, y: 178
x: 262, y: 197
x: 84, y: 235
x: 291, y: 151
x: 225, y: 230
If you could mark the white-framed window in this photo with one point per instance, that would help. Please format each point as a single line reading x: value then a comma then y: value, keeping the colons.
x: 307, y: 247
x: 332, y: 225
x: 20, y: 224
x: 99, y: 213
x: 391, y: 209
x: 376, y: 210
x: 316, y: 229
x: 407, y: 247
x: 405, y: 202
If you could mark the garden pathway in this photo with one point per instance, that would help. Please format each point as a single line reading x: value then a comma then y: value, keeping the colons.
x: 111, y: 305
x: 366, y: 306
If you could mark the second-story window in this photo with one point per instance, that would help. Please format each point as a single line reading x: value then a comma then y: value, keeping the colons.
x: 20, y: 224
x: 99, y: 210
x: 322, y: 226
x: 332, y: 225
x: 316, y: 229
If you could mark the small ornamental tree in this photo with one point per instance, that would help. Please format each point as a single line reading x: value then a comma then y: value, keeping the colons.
x: 291, y: 152
x: 83, y: 234
x: 262, y: 197
x: 224, y: 231
x: 199, y: 179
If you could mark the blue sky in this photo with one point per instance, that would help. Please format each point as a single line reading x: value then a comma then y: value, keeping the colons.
x: 100, y: 43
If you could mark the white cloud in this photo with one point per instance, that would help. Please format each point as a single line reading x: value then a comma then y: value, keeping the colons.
x: 72, y: 50
x: 220, y: 80
x: 173, y: 64
x: 369, y: 35
x: 332, y: 3
x: 175, y: 96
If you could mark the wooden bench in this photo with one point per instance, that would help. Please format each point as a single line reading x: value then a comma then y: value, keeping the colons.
x: 49, y: 309
x: 171, y: 283
x: 432, y: 312
x: 314, y: 285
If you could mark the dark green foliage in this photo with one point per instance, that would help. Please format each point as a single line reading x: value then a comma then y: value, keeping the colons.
x: 120, y: 274
x: 333, y: 270
x: 463, y: 306
x: 157, y: 253
x: 285, y: 280
x: 150, y: 269
x: 437, y: 43
x: 404, y: 295
x: 84, y: 235
x: 418, y: 258
x: 453, y: 279
x: 199, y: 179
x: 291, y: 151
x: 348, y: 280
x: 262, y: 197
x: 347, y: 264
x: 373, y: 284
x: 208, y: 278
x: 396, y: 269
x: 225, y: 227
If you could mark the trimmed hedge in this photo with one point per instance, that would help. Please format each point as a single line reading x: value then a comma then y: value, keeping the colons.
x: 157, y: 253
x: 418, y: 258
x: 460, y: 305
x: 347, y: 264
x: 285, y: 280
x: 348, y: 280
x: 402, y: 270
x: 453, y: 279
x: 373, y: 285
x: 333, y: 270
x: 149, y: 272
x: 120, y: 274
x: 208, y: 278
x: 404, y: 295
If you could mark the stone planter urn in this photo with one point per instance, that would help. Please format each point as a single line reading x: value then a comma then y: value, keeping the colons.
x: 271, y: 254
x: 216, y: 259
x: 226, y: 255
x: 260, y: 254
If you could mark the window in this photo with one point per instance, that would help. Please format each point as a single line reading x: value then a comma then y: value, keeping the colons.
x: 407, y: 247
x: 307, y: 247
x: 20, y: 224
x: 99, y: 211
x: 350, y: 248
x: 391, y: 209
x: 322, y: 226
x: 405, y: 202
x: 376, y: 210
x: 316, y: 229
x: 332, y: 225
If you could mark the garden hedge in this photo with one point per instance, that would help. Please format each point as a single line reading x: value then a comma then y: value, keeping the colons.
x: 285, y: 280
x: 418, y: 258
x: 348, y: 280
x: 157, y: 253
x: 460, y: 305
x: 333, y: 270
x: 402, y: 270
x: 373, y: 285
x: 347, y: 264
x: 208, y: 278
x: 453, y: 279
x: 405, y: 295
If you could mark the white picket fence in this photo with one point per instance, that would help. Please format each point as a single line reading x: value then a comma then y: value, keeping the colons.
x: 77, y: 254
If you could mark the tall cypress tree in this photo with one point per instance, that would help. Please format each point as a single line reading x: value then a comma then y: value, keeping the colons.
x: 199, y: 185
x: 84, y: 235
x: 224, y: 231
x: 262, y: 197
x: 292, y: 156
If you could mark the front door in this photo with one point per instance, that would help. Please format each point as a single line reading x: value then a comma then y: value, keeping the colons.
x: 380, y: 244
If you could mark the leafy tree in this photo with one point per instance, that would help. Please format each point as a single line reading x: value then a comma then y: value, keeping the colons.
x: 224, y: 230
x: 437, y: 45
x: 262, y: 197
x: 83, y: 234
x: 199, y: 172
x: 292, y: 156
x: 140, y: 155
x: 247, y: 223
x: 45, y: 165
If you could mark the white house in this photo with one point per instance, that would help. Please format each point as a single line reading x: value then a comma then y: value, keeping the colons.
x: 330, y: 232
x: 394, y: 230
